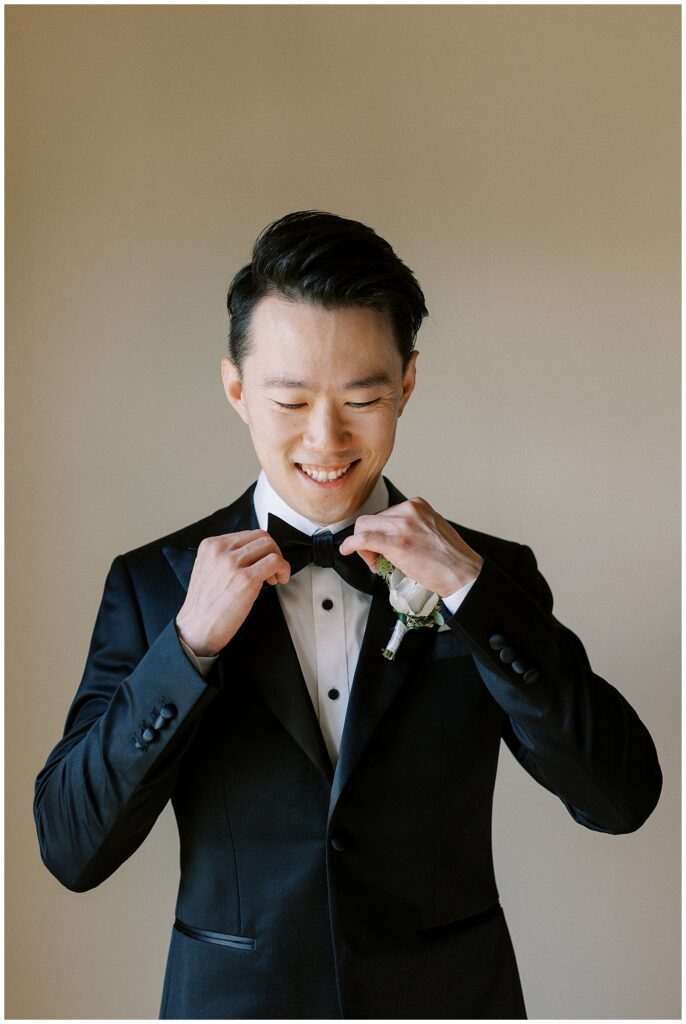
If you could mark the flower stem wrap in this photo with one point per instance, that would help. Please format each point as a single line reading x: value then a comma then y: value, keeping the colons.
x: 398, y: 633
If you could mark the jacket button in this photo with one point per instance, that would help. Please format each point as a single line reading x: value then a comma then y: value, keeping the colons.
x: 507, y: 655
x: 532, y: 676
x: 497, y: 641
x: 339, y: 839
x: 519, y: 666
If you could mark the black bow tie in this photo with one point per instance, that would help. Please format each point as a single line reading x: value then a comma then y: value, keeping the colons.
x: 321, y: 549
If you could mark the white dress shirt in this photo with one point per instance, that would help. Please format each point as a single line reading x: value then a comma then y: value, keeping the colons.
x: 326, y: 616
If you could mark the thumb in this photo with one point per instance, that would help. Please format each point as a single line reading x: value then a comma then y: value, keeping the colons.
x: 369, y: 557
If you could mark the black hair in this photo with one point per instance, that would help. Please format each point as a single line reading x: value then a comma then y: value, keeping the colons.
x: 317, y: 257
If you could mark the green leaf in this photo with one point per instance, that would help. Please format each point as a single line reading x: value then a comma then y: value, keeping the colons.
x: 418, y: 621
x: 384, y: 567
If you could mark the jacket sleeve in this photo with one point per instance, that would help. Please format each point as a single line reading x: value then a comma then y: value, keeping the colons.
x: 105, y: 783
x: 571, y: 730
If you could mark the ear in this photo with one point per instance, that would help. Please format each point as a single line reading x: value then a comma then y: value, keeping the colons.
x: 233, y: 387
x: 409, y: 380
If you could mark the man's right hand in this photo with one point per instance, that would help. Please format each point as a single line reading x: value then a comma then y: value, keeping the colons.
x: 227, y: 576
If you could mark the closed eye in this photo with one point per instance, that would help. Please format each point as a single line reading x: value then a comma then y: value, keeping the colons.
x: 353, y: 405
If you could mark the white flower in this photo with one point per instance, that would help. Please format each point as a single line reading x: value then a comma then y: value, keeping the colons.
x: 414, y: 604
x: 409, y: 597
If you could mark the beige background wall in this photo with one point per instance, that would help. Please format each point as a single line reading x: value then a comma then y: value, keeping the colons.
x: 524, y: 160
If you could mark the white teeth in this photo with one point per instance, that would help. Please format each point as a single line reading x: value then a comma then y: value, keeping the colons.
x: 322, y: 475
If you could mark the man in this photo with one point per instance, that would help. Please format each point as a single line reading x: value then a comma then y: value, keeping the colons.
x: 333, y: 805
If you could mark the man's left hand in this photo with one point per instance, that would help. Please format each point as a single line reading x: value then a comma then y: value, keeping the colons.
x: 419, y: 542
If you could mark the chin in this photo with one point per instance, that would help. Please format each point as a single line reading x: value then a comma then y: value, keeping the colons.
x: 327, y: 509
x: 331, y: 508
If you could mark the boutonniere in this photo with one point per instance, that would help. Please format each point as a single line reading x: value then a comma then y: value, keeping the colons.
x: 415, y: 606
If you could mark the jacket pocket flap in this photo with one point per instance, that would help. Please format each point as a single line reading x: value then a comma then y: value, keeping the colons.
x: 219, y: 938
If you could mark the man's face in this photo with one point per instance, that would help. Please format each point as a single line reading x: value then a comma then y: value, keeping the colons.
x: 321, y: 394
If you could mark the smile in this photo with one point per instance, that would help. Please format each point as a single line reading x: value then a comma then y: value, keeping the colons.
x: 324, y: 474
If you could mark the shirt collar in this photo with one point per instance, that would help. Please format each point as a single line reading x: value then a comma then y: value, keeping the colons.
x: 266, y: 500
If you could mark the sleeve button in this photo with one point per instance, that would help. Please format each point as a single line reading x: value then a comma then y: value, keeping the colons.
x: 532, y: 676
x: 168, y: 711
x: 497, y: 641
x: 507, y: 655
x: 519, y: 666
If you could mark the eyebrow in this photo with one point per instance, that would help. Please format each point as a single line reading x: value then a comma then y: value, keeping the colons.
x: 372, y: 381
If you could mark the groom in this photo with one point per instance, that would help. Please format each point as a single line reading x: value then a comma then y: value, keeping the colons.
x: 333, y: 806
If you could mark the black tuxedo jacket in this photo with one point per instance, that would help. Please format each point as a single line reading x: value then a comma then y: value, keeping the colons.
x: 305, y: 892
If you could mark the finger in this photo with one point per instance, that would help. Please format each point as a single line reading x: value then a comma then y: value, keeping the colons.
x: 255, y: 549
x: 409, y: 509
x: 234, y: 541
x: 272, y: 565
x: 369, y: 540
x: 369, y: 557
x: 386, y: 517
x: 245, y: 535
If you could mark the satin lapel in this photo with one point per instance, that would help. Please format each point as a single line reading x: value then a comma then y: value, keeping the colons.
x: 264, y: 650
x: 375, y: 684
x: 182, y: 561
x: 272, y: 664
x: 240, y: 515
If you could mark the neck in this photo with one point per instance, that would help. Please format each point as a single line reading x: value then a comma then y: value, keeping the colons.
x: 267, y: 499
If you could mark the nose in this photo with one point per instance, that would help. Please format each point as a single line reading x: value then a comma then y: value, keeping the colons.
x: 326, y: 431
